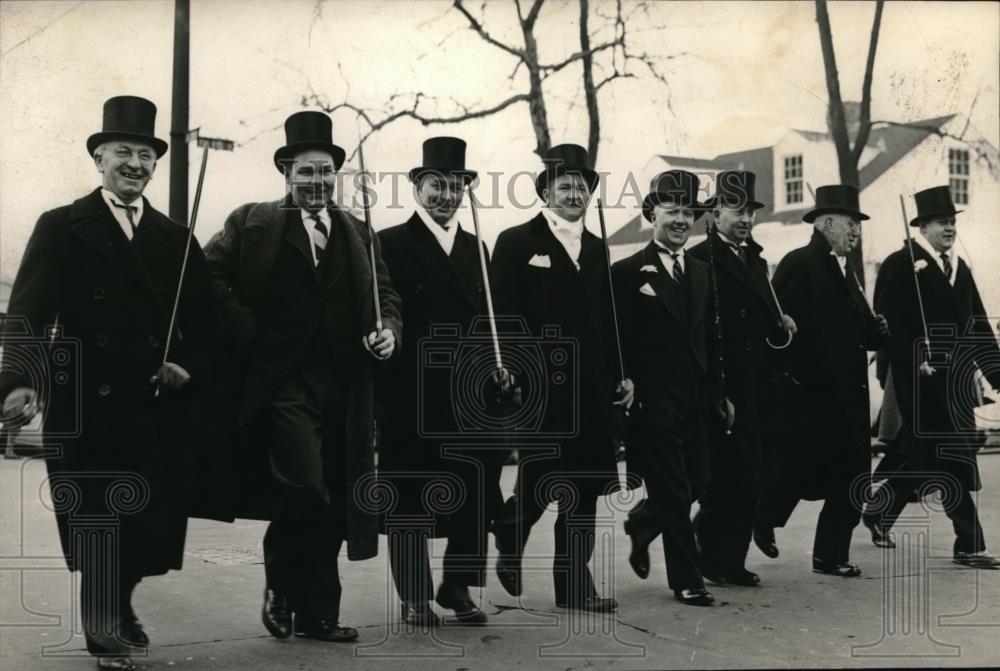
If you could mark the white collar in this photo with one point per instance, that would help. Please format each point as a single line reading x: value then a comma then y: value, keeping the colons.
x: 663, y: 249
x: 729, y: 241
x: 557, y: 222
x: 111, y: 199
x: 935, y: 254
x: 445, y: 235
x: 324, y: 216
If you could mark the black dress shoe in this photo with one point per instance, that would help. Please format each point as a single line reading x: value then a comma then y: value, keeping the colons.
x: 324, y: 630
x: 765, y: 542
x: 133, y: 634
x: 879, y: 537
x: 638, y: 558
x: 116, y: 663
x: 419, y: 614
x: 694, y: 597
x: 594, y: 604
x: 842, y: 569
x: 743, y: 578
x: 276, y: 614
x: 509, y: 574
x: 466, y: 610
x: 977, y: 560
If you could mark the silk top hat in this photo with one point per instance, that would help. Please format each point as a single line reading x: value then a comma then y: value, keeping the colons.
x: 675, y: 187
x: 128, y: 118
x: 835, y: 199
x: 308, y: 130
x: 443, y: 156
x: 735, y: 188
x: 933, y: 202
x: 565, y: 159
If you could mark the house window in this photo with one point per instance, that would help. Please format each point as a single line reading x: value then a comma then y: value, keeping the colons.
x: 958, y: 175
x: 793, y: 179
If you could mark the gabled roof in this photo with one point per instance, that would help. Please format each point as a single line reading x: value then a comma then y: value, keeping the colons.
x: 899, y: 140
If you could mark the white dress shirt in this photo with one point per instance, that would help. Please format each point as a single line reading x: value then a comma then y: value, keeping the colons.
x: 668, y: 258
x: 309, y: 224
x: 119, y: 211
x: 936, y: 255
x: 568, y: 233
x: 732, y: 245
x: 445, y: 235
x: 841, y: 261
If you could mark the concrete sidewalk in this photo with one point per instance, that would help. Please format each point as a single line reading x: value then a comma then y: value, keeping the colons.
x: 912, y: 606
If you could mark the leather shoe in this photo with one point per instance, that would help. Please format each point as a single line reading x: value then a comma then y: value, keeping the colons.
x: 594, y: 604
x: 509, y: 574
x: 765, y: 542
x: 116, y: 663
x: 694, y: 597
x: 276, y: 614
x: 638, y: 558
x: 842, y: 569
x: 420, y: 614
x: 879, y: 537
x: 133, y: 634
x: 978, y: 560
x: 458, y: 600
x: 324, y: 630
x: 743, y: 578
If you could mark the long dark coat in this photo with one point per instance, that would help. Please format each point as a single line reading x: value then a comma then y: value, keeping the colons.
x: 828, y: 404
x: 567, y: 313
x: 442, y: 295
x: 123, y: 456
x: 242, y: 257
x: 664, y: 344
x: 941, y: 435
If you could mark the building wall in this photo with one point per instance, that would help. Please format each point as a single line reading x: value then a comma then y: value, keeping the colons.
x: 819, y: 166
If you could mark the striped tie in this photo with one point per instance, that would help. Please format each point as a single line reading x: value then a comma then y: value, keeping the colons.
x: 320, y: 235
x: 677, y: 272
x: 130, y: 211
x: 946, y: 262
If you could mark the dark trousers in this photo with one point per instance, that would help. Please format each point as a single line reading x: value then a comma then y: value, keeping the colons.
x: 837, y: 520
x: 574, y: 528
x: 409, y: 559
x: 303, y: 540
x: 958, y: 505
x: 106, y: 602
x: 670, y: 517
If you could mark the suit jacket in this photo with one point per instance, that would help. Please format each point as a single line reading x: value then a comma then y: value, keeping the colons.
x: 664, y: 344
x: 442, y: 299
x: 112, y: 300
x: 829, y: 364
x: 937, y: 411
x: 566, y: 313
x: 242, y: 257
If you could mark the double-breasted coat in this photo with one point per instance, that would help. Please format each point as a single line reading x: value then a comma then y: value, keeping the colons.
x: 828, y: 403
x: 422, y: 439
x: 937, y: 411
x: 122, y: 457
x: 568, y: 318
x: 242, y: 257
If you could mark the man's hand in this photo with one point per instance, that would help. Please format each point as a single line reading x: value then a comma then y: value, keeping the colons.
x: 503, y: 389
x: 171, y: 376
x: 380, y: 345
x: 881, y: 325
x: 625, y: 391
x: 926, y: 370
x: 21, y: 404
x: 727, y: 412
x: 788, y: 324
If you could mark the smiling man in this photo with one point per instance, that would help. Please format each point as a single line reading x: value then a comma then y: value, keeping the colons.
x: 296, y: 282
x: 103, y: 272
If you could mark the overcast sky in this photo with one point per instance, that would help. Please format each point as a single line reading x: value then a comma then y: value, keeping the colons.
x: 742, y: 74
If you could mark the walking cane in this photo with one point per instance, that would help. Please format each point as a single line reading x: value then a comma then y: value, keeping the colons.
x: 717, y: 317
x: 611, y: 287
x: 206, y: 143
x: 371, y: 240
x: 916, y: 281
x: 486, y: 286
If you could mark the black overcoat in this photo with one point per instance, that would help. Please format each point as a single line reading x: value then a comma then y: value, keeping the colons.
x: 123, y: 457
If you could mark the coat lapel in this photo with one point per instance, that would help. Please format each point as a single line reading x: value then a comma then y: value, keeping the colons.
x: 424, y: 246
x: 552, y: 247
x: 94, y: 225
x: 697, y: 282
x: 731, y: 264
x: 663, y: 286
x: 356, y: 240
x: 265, y: 226
x: 933, y: 278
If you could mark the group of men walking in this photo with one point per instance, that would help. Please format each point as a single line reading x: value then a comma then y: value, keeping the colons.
x: 717, y: 380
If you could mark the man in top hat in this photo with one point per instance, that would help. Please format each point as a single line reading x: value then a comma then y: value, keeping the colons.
x: 551, y: 272
x: 829, y: 367
x: 662, y: 296
x: 745, y: 315
x: 95, y: 289
x: 296, y: 282
x: 436, y: 265
x: 936, y: 388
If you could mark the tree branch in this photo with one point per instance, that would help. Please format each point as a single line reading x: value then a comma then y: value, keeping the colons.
x: 481, y: 31
x: 866, y: 90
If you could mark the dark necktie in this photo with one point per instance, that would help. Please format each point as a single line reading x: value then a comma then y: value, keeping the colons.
x: 740, y: 251
x: 947, y: 266
x: 677, y: 271
x: 320, y: 236
x: 130, y: 211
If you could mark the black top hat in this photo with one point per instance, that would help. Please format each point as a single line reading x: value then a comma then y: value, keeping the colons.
x: 933, y: 202
x: 308, y: 130
x: 735, y: 189
x: 565, y: 159
x: 444, y: 156
x: 678, y: 187
x: 128, y: 118
x: 835, y: 199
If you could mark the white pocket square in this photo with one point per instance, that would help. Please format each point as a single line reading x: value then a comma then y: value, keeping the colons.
x: 540, y: 261
x: 646, y: 290
x: 648, y: 269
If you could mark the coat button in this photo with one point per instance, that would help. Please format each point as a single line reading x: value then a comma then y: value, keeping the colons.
x: 153, y: 341
x: 743, y: 312
x: 104, y: 390
x: 98, y: 293
x: 102, y: 340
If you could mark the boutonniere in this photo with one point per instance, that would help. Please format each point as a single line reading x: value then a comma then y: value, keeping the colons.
x: 648, y: 269
x: 919, y: 265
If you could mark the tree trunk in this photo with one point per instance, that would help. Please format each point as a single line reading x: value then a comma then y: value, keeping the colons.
x: 536, y: 105
x: 589, y: 91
